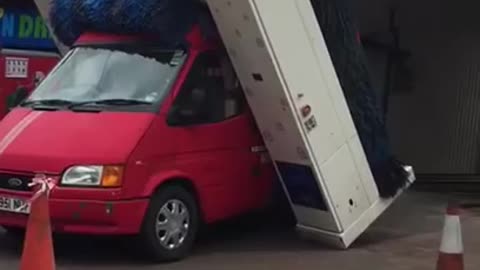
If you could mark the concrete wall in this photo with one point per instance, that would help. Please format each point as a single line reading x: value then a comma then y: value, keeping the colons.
x: 436, y: 126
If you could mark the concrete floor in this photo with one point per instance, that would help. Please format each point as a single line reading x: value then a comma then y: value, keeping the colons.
x: 406, y: 237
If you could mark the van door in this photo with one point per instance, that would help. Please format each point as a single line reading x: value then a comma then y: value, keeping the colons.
x: 214, y: 138
x: 259, y: 183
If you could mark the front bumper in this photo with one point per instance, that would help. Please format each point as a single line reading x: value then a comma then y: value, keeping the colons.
x: 87, y: 216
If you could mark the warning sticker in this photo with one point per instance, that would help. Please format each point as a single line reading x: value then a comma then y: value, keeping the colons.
x: 16, y: 68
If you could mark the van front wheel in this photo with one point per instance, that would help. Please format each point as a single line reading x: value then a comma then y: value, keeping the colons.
x: 170, y: 225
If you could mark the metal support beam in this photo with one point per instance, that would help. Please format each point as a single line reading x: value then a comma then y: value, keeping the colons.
x: 43, y: 7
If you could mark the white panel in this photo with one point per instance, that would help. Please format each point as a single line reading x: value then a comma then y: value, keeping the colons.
x: 341, y: 178
x: 282, y: 61
x: 325, y: 64
x: 347, y: 237
x: 306, y: 76
x: 300, y: 70
x: 363, y: 169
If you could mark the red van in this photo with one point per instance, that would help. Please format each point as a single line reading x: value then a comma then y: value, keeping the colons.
x: 140, y: 139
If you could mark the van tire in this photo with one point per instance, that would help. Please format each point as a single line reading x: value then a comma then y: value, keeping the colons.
x: 149, y: 238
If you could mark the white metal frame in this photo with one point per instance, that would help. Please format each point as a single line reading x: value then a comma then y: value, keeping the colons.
x: 282, y: 61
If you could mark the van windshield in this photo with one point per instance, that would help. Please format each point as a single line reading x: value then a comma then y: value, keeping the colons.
x: 94, y: 76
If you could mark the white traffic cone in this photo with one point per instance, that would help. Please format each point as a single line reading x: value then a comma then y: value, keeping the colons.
x: 451, y: 248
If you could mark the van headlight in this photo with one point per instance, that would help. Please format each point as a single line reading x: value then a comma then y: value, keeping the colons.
x: 93, y: 176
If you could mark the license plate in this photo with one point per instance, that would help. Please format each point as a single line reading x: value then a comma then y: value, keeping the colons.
x: 14, y: 205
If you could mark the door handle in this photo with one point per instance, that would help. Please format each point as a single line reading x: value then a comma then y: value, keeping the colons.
x: 258, y: 149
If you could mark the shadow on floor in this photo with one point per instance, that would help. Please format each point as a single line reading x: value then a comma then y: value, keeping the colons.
x: 252, y: 233
x: 248, y: 233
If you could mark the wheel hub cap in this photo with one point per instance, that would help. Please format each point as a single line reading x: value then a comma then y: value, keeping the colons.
x: 172, y: 224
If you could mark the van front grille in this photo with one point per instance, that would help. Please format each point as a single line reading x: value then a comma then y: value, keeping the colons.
x: 15, y: 182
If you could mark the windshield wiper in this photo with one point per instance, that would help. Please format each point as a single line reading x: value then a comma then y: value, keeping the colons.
x: 110, y: 102
x: 47, y: 102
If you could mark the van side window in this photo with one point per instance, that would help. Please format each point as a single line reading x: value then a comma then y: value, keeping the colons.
x: 210, y: 94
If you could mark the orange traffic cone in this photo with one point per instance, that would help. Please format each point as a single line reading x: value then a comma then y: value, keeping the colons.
x: 38, y: 245
x: 451, y: 248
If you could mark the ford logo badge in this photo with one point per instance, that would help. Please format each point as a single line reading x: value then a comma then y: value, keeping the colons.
x: 14, y: 182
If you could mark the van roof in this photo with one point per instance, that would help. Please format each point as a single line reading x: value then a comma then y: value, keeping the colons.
x: 194, y: 38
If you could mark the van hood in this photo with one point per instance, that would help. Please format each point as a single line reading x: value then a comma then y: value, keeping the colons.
x: 50, y: 142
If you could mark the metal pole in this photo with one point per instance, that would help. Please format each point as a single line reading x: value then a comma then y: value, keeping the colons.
x: 43, y: 7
